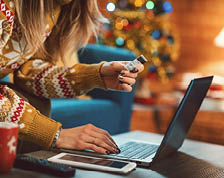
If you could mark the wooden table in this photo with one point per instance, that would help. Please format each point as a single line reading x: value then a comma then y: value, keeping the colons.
x: 194, y: 160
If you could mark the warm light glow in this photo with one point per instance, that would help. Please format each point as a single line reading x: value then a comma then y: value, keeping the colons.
x: 146, y: 28
x: 119, y: 26
x: 157, y: 61
x: 139, y: 3
x: 130, y: 44
x: 219, y: 39
x: 125, y: 22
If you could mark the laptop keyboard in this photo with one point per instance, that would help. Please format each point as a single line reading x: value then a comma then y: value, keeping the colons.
x: 137, y: 150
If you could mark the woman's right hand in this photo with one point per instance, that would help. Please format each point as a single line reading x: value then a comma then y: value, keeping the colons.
x: 87, y: 137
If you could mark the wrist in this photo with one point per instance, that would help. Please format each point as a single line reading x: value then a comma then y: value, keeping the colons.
x: 56, y: 137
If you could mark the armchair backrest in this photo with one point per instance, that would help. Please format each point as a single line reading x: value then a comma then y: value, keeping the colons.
x: 95, y: 53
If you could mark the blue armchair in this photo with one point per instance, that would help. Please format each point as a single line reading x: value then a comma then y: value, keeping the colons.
x: 109, y: 110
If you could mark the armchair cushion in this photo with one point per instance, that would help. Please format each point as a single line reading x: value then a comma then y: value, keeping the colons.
x: 97, y: 112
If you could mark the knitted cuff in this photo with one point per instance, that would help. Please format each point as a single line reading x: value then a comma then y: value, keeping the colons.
x: 42, y: 130
x: 88, y: 76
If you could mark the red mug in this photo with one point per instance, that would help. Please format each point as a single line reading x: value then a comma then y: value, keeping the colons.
x: 8, y: 144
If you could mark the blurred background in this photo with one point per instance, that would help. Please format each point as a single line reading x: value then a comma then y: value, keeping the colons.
x: 182, y: 40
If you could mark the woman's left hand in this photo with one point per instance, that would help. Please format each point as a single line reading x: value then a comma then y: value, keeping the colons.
x: 117, y: 77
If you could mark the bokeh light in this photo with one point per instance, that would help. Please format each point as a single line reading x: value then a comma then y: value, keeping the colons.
x: 125, y: 22
x: 149, y: 5
x: 119, y: 26
x: 156, y: 34
x: 131, y: 44
x: 139, y: 3
x: 119, y: 41
x: 167, y: 7
x: 110, y: 6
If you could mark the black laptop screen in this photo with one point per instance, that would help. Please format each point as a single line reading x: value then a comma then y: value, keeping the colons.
x: 184, y: 116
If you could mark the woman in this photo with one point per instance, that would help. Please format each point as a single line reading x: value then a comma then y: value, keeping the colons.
x: 35, y: 35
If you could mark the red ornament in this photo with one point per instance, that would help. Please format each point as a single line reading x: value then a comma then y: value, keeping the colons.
x: 127, y: 27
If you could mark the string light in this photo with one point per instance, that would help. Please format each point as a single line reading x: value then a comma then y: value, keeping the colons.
x: 156, y: 34
x: 125, y: 22
x: 144, y: 31
x: 119, y: 26
x: 149, y: 5
x: 167, y: 7
x: 130, y: 44
x: 139, y: 3
x: 119, y: 41
x: 110, y: 6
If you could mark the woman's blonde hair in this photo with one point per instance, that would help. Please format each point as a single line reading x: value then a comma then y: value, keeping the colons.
x: 78, y: 20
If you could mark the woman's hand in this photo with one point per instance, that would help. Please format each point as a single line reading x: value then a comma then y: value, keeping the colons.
x: 87, y: 137
x: 117, y: 77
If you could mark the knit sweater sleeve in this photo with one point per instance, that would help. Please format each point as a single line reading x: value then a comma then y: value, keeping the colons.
x: 34, y: 127
x: 47, y: 80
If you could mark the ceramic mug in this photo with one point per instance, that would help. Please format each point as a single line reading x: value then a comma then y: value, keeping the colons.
x: 8, y: 144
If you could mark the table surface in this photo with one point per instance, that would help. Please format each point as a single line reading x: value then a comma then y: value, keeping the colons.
x: 193, y: 160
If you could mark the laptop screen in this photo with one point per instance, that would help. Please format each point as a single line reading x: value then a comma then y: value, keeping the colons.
x: 184, y: 116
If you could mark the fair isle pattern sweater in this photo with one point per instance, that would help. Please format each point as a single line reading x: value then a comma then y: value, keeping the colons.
x: 37, y: 76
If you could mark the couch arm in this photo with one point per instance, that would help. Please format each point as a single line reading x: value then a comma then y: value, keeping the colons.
x: 95, y: 53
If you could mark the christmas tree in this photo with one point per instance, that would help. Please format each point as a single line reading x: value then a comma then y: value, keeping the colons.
x: 143, y: 27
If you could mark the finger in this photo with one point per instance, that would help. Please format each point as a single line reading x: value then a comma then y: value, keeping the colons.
x: 96, y: 148
x: 128, y: 74
x: 106, y: 140
x: 125, y: 62
x: 140, y: 68
x: 100, y: 143
x: 104, y: 132
x: 118, y: 66
x: 127, y: 80
x: 125, y: 87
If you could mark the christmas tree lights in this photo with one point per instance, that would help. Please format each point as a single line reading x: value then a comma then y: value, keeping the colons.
x: 143, y: 27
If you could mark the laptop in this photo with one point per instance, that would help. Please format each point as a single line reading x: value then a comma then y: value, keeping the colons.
x: 145, y: 153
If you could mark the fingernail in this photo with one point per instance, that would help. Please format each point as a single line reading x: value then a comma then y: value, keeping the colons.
x: 118, y: 150
x: 134, y: 70
x: 122, y: 72
x: 121, y: 82
x: 120, y: 77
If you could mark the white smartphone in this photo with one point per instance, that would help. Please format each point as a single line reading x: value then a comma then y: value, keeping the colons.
x: 93, y: 163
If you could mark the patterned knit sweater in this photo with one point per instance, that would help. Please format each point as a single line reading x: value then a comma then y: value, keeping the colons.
x: 37, y: 76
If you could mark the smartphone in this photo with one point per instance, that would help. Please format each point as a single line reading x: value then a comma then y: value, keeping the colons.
x: 94, y: 163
